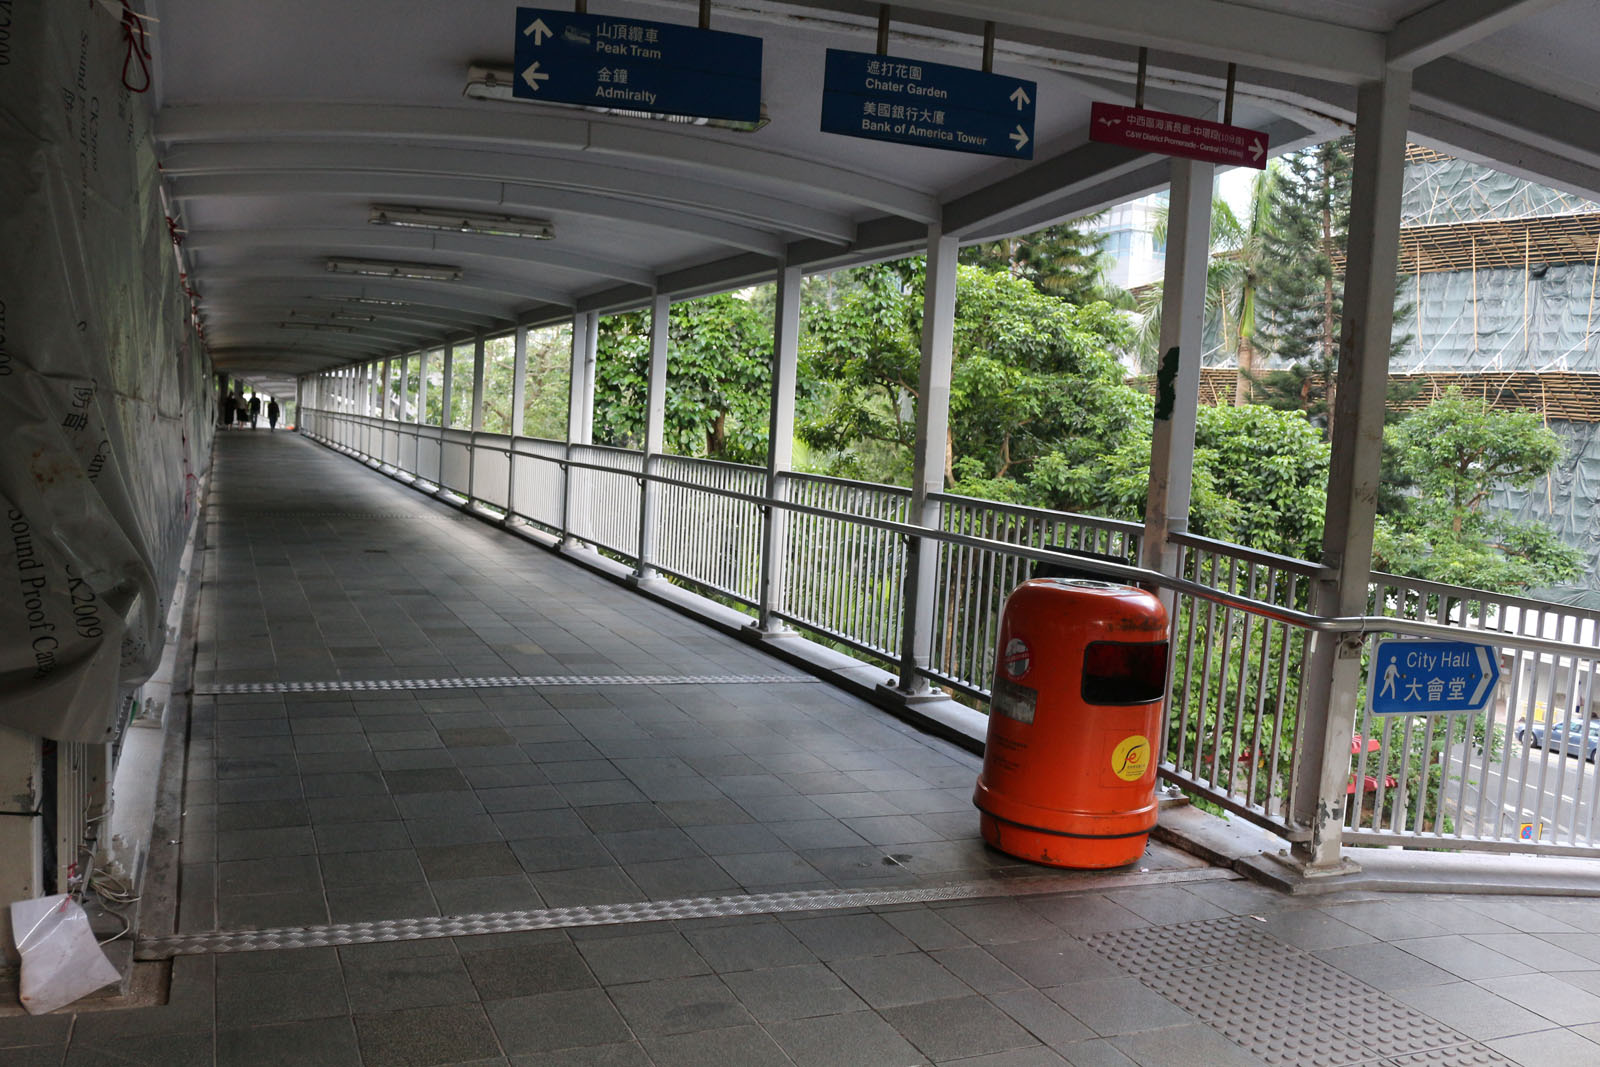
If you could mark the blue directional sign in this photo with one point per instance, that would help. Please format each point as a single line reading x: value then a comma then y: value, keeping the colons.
x: 603, y: 61
x: 908, y: 101
x: 1432, y: 677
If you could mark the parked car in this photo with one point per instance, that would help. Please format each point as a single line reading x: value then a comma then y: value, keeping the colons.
x: 1582, y: 736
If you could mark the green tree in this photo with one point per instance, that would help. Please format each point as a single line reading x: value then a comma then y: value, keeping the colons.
x: 1063, y: 260
x: 719, y: 352
x: 1302, y: 295
x: 1456, y: 452
x: 861, y: 344
x: 1033, y: 380
x: 1260, y: 478
x: 546, y: 391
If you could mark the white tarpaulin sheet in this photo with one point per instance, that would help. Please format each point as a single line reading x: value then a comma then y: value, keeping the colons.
x: 105, y: 408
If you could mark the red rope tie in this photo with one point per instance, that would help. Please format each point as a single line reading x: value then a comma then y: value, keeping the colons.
x: 173, y: 231
x: 138, y: 52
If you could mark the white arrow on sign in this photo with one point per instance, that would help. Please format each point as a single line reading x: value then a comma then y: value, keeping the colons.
x: 1256, y: 149
x: 1020, y: 137
x: 1484, y: 675
x: 537, y: 30
x: 533, y: 76
x: 1020, y: 95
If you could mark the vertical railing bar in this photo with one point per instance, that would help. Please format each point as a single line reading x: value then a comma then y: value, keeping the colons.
x: 984, y: 563
x: 1241, y: 697
x: 1210, y: 640
x: 1514, y: 702
x: 1544, y: 751
x: 1256, y: 741
x: 1192, y: 609
x: 1582, y: 729
x: 1280, y: 705
x: 1219, y: 728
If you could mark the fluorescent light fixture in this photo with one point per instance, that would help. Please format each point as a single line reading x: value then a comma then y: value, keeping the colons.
x: 351, y: 316
x: 388, y: 268
x: 325, y: 327
x: 370, y: 300
x: 423, y: 218
x: 494, y: 83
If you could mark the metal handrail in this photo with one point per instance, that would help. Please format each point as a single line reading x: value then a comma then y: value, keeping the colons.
x: 1291, y: 564
x: 1357, y: 625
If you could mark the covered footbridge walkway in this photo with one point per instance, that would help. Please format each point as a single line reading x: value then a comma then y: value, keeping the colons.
x: 273, y: 706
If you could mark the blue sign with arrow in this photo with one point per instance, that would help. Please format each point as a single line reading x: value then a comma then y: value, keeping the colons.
x: 882, y: 98
x: 1411, y: 677
x: 630, y: 64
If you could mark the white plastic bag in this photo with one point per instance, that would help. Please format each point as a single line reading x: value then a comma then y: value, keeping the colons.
x: 61, y: 961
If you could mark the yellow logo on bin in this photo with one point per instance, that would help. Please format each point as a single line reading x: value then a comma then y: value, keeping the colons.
x: 1131, y: 758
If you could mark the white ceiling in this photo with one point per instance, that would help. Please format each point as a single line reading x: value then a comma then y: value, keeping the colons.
x: 281, y: 122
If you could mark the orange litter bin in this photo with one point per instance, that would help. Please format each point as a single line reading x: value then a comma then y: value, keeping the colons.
x: 1069, y: 770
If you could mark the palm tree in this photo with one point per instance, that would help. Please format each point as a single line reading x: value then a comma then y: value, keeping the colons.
x: 1233, y: 278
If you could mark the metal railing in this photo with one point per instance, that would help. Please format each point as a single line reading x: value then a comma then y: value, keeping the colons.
x: 711, y: 525
x: 1242, y: 625
x: 1234, y: 689
x: 1520, y: 776
x: 844, y: 574
x: 973, y: 581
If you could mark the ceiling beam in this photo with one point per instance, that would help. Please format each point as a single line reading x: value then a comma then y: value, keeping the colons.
x: 525, y: 130
x: 1213, y: 29
x: 675, y: 192
x: 1542, y: 136
x: 512, y: 291
x: 475, y: 194
x: 384, y: 241
x: 1450, y: 25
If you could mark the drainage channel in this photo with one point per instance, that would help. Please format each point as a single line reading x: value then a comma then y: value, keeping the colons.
x: 435, y: 926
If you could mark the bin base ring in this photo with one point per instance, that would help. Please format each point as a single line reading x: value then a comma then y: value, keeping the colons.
x: 1061, y: 848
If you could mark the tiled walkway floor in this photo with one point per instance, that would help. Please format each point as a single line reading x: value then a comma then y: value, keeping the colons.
x: 311, y: 808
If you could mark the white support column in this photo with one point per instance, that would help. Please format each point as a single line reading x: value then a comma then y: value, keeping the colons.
x: 1333, y: 673
x: 580, y: 415
x: 477, y: 383
x: 422, y: 386
x: 591, y: 359
x: 655, y: 426
x: 927, y: 477
x: 580, y: 381
x: 1178, y: 376
x: 780, y: 444
x: 519, y: 399
x: 445, y: 391
x: 475, y: 425
x: 519, y: 379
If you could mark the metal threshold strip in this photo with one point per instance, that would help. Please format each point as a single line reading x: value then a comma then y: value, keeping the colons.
x: 436, y: 926
x: 368, y: 685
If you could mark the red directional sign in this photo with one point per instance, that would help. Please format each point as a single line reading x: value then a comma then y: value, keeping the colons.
x: 1178, y: 135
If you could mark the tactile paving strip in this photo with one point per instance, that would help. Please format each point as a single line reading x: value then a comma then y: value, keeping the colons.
x: 1283, y: 1005
x: 160, y: 948
x: 497, y: 682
